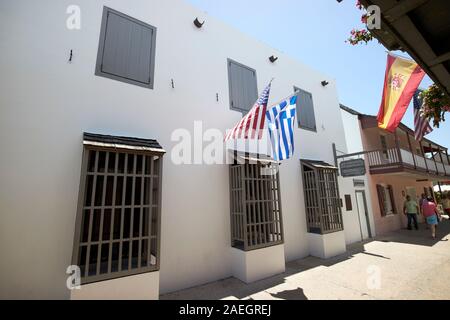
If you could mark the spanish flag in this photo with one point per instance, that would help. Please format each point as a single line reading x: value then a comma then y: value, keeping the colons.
x: 401, y: 82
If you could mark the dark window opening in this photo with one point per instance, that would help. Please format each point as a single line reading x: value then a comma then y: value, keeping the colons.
x: 348, y: 202
x: 386, y: 200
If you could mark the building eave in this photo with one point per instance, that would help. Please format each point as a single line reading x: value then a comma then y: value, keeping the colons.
x: 416, y: 27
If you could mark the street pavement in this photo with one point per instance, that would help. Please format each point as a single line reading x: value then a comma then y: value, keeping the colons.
x: 400, y: 265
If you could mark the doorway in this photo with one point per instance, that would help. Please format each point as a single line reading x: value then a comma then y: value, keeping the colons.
x: 410, y: 191
x: 363, y: 215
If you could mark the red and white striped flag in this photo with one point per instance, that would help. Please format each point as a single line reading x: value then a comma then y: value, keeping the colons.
x: 421, y: 124
x: 252, y: 125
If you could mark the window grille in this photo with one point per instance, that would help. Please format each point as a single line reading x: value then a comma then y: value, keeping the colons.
x: 118, y: 220
x: 322, y: 201
x: 256, y: 219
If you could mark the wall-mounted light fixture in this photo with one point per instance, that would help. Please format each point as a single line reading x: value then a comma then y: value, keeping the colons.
x: 198, y: 24
x: 325, y: 83
x: 273, y: 59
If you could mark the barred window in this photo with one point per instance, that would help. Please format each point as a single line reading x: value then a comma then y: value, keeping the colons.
x: 118, y: 220
x: 256, y: 219
x: 322, y: 201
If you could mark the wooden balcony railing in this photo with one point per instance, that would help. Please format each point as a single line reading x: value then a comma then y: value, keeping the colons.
x: 398, y: 157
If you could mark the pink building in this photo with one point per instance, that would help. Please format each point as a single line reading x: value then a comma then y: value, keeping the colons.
x: 396, y: 165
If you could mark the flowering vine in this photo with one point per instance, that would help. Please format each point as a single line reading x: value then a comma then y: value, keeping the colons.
x: 436, y: 102
x: 435, y: 105
x: 361, y: 35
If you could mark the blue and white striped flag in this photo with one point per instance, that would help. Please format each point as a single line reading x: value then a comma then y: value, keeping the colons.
x: 280, y: 121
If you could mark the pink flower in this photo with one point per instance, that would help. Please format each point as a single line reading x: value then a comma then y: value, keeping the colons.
x: 364, y: 19
x: 359, y: 5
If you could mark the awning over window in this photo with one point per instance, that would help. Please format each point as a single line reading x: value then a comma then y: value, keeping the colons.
x: 317, y: 164
x: 128, y: 143
x: 242, y: 157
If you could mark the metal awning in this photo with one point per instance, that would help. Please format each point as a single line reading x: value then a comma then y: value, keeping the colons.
x: 318, y: 164
x: 244, y: 157
x: 126, y: 143
x: 422, y: 29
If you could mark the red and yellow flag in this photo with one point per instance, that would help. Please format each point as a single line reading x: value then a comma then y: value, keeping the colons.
x: 401, y: 82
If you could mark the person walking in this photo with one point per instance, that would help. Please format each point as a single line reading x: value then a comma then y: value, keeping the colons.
x: 431, y: 215
x: 422, y: 199
x: 411, y: 209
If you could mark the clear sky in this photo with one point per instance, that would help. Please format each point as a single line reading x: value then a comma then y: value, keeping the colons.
x: 314, y: 32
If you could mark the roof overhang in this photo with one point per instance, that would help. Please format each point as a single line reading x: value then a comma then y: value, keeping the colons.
x: 318, y: 164
x: 122, y: 143
x: 368, y: 122
x: 422, y: 29
x: 251, y: 158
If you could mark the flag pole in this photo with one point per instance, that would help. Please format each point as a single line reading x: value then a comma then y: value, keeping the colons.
x: 399, y: 56
x: 287, y: 98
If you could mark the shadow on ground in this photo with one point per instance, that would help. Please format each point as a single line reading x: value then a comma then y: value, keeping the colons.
x: 421, y: 237
x: 232, y: 288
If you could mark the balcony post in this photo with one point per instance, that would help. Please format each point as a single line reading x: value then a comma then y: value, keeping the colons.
x: 442, y: 161
x: 423, y: 155
x: 411, y: 150
x: 397, y: 144
x: 434, y: 159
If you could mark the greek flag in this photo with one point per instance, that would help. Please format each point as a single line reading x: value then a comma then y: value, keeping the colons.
x: 280, y: 122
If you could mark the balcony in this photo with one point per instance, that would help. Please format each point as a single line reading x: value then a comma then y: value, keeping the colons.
x: 398, y: 159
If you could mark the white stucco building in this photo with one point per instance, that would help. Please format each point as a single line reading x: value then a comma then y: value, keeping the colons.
x: 142, y: 69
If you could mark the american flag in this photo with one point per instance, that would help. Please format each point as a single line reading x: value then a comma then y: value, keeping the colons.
x: 252, y: 125
x: 421, y: 124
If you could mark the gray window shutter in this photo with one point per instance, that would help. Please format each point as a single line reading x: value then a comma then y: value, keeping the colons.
x: 126, y: 49
x: 381, y: 195
x: 243, y: 86
x: 305, y: 110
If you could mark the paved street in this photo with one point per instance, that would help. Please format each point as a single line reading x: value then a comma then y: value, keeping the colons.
x: 411, y: 265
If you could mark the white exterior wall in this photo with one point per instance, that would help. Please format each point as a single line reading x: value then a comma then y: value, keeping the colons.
x: 138, y: 287
x: 354, y: 145
x: 254, y: 265
x: 47, y: 103
x: 327, y: 245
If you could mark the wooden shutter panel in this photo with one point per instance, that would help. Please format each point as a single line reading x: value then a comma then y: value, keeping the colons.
x: 380, y: 191
x: 243, y: 86
x: 391, y: 194
x: 127, y: 51
x: 348, y: 202
x: 305, y: 110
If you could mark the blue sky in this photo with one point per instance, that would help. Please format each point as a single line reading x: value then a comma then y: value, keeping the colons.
x: 314, y: 32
